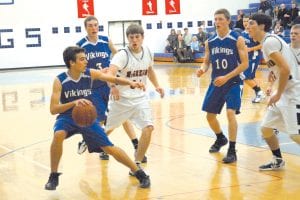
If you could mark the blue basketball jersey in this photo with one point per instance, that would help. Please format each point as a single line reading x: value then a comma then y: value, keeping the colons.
x: 97, y: 54
x: 93, y: 135
x: 224, y: 55
x: 74, y: 89
x: 253, y: 55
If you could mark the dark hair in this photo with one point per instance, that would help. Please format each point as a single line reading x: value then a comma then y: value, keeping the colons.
x: 70, y: 53
x: 89, y: 18
x: 134, y: 29
x: 264, y: 19
x: 223, y: 11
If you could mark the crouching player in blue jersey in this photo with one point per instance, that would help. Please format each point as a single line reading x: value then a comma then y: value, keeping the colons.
x: 227, y: 53
x: 79, y: 78
x: 254, y: 56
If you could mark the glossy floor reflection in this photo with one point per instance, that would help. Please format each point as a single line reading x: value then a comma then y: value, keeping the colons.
x: 179, y: 163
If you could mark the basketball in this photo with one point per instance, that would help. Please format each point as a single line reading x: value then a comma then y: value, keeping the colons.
x: 84, y: 115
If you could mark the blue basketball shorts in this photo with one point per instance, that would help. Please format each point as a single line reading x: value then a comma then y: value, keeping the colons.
x: 216, y: 97
x: 251, y: 70
x: 93, y: 135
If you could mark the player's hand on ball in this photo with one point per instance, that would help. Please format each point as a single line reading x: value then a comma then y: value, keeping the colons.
x: 82, y: 102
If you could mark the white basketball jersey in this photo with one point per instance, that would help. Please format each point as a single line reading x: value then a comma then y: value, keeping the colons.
x: 273, y: 43
x: 133, y: 66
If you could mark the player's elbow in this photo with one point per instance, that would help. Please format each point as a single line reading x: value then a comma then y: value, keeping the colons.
x: 53, y: 111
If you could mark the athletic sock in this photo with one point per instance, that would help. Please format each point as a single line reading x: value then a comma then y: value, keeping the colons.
x: 135, y: 143
x: 277, y: 153
x: 232, y: 145
x: 219, y: 135
x: 256, y: 89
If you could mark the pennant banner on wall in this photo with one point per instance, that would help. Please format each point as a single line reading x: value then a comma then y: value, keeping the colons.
x: 172, y: 7
x: 85, y: 8
x: 149, y: 7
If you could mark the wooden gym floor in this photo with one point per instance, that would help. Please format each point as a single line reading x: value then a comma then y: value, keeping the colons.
x: 178, y: 160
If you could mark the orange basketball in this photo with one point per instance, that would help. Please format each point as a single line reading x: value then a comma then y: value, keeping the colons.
x: 84, y: 115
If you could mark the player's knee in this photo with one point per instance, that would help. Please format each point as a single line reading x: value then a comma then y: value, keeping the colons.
x: 59, y: 136
x: 148, y: 129
x: 230, y: 114
x: 211, y: 116
x: 108, y: 149
x: 266, y: 132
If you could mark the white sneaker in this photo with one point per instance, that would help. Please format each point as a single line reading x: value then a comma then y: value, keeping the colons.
x: 259, y: 97
x: 275, y: 164
x: 82, y: 147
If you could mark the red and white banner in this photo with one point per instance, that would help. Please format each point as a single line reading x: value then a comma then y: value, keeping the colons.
x: 85, y: 8
x: 149, y: 7
x: 172, y: 7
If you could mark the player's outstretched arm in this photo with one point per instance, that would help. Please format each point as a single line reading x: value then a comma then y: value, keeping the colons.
x: 97, y: 74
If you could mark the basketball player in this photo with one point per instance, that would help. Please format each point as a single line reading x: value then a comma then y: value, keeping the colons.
x: 254, y: 57
x: 227, y: 53
x: 72, y: 88
x: 134, y: 63
x: 284, y: 103
x: 98, y: 50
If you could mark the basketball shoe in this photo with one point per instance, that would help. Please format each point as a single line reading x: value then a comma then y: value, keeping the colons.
x: 259, y: 97
x: 103, y: 156
x: 276, y: 164
x: 138, y: 164
x: 52, y: 181
x: 143, y: 178
x: 82, y: 147
x: 218, y: 144
x: 230, y: 157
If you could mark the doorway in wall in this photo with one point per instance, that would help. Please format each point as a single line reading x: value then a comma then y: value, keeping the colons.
x: 117, y: 32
